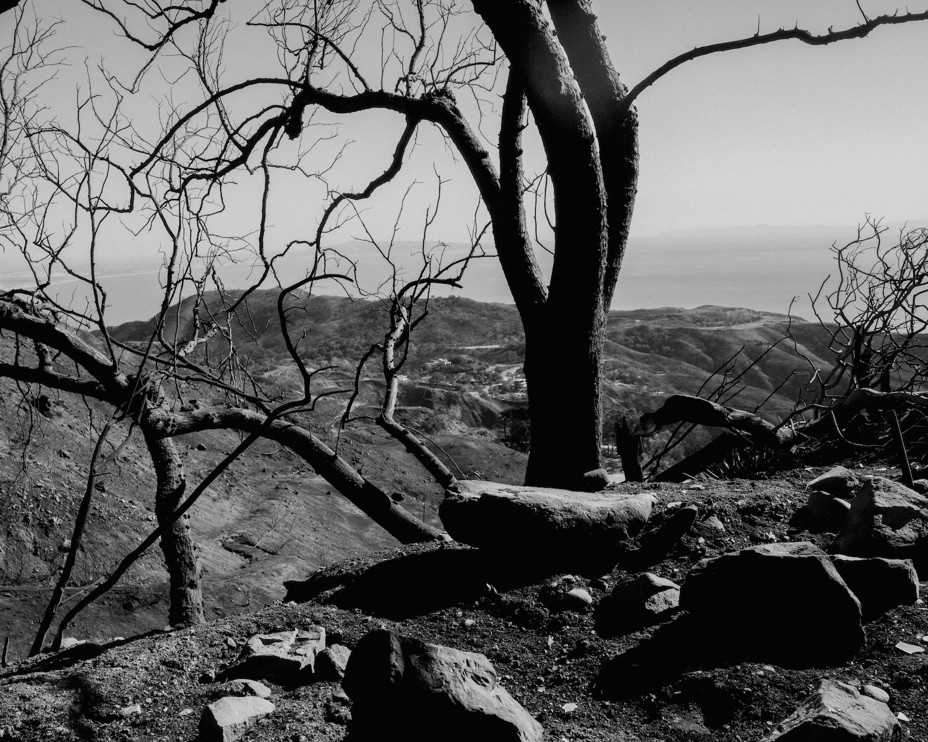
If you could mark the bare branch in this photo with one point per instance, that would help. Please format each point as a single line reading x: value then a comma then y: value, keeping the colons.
x: 783, y: 34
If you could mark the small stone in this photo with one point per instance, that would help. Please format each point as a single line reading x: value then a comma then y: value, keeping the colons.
x: 713, y: 524
x: 577, y: 599
x: 207, y: 676
x: 186, y: 712
x: 909, y: 648
x: 70, y: 641
x: 231, y: 643
x: 874, y: 692
x: 902, y: 717
x: 569, y: 708
x: 126, y: 711
x: 469, y: 623
x: 600, y: 583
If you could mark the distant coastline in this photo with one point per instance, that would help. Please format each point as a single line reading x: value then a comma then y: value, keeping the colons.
x: 759, y: 268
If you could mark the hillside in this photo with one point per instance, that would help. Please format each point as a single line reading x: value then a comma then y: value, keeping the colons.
x: 476, y: 347
x: 271, y: 518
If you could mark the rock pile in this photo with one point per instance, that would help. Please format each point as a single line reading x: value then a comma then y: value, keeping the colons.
x: 426, y: 691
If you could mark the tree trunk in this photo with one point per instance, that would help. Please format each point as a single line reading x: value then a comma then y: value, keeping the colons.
x: 180, y: 558
x: 562, y: 376
x: 563, y: 337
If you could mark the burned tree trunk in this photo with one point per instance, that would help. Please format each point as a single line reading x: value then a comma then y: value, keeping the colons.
x: 180, y: 557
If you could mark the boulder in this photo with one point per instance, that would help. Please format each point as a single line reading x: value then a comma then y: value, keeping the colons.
x: 228, y: 718
x: 284, y: 657
x: 838, y: 713
x: 783, y: 603
x: 879, y: 584
x: 331, y: 662
x: 838, y: 482
x: 641, y: 601
x: 554, y: 529
x: 424, y: 692
x: 887, y: 519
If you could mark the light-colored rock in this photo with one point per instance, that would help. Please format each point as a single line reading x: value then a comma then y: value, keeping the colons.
x: 423, y: 691
x: 248, y: 687
x: 879, y: 584
x: 332, y: 661
x: 838, y: 713
x: 641, y: 601
x: 907, y: 648
x: 228, y: 718
x: 712, y: 523
x: 560, y: 529
x: 577, y: 599
x: 783, y: 603
x: 284, y: 657
x: 876, y: 693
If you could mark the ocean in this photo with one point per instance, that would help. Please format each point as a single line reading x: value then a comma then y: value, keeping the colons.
x: 761, y: 268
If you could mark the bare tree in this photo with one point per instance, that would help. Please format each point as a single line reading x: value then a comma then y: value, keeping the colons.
x: 559, y: 72
x: 875, y: 312
x: 873, y: 315
x: 171, y: 175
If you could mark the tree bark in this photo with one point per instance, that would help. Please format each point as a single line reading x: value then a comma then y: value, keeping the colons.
x: 180, y: 557
x: 616, y: 125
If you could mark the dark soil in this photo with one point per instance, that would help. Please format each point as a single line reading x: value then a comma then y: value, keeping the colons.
x: 545, y: 656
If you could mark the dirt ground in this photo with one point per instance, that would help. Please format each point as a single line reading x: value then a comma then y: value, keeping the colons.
x: 547, y: 658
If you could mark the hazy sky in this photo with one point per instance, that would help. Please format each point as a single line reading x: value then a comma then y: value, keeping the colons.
x: 785, y: 134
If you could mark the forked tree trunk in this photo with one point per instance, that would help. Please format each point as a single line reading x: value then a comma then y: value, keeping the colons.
x: 180, y: 558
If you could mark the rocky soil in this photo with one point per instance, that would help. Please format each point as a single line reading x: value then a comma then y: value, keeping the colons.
x: 544, y: 646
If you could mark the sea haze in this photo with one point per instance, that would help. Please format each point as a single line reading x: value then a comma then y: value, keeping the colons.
x: 759, y: 268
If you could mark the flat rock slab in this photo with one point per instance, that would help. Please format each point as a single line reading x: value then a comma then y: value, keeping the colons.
x: 424, y: 692
x: 283, y: 657
x: 783, y: 603
x: 569, y: 531
x: 228, y: 718
x: 838, y: 713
